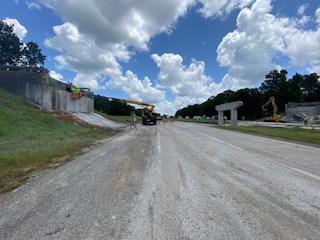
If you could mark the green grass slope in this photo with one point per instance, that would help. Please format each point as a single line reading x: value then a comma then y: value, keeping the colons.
x: 31, y: 140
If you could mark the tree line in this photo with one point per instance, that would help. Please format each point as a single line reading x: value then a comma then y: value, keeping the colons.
x: 299, y: 89
x: 14, y: 52
x: 113, y: 106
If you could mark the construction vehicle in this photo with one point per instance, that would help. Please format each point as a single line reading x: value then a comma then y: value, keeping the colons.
x: 275, y: 117
x: 77, y: 92
x: 149, y: 117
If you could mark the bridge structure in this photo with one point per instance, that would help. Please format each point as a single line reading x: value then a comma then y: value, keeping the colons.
x: 233, y: 107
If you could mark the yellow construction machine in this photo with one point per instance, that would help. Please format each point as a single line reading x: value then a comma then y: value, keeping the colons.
x: 275, y: 116
x: 77, y: 92
x: 149, y: 117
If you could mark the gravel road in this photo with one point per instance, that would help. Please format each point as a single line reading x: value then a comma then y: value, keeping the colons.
x: 173, y: 181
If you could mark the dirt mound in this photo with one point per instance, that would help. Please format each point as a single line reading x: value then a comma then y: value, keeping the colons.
x: 68, y: 117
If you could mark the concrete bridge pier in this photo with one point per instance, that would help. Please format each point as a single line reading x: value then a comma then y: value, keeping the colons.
x: 233, y: 107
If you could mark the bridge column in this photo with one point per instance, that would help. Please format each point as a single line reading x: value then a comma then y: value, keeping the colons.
x: 220, y: 118
x: 234, y: 117
x: 233, y: 107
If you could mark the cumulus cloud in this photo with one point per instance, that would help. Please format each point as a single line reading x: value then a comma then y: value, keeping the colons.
x: 81, y: 54
x: 183, y: 80
x: 189, y: 84
x: 260, y: 36
x: 55, y: 75
x: 87, y: 81
x: 18, y: 29
x: 127, y: 22
x: 136, y: 89
x: 221, y: 8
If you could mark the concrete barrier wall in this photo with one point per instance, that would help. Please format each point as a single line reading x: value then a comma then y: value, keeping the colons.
x: 39, y: 87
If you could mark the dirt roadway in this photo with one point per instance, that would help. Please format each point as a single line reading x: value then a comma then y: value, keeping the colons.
x: 173, y: 181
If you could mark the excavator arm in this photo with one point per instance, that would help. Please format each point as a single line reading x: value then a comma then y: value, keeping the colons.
x: 272, y: 100
x: 274, y: 105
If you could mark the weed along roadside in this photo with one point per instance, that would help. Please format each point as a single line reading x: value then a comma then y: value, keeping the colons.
x: 32, y: 140
x: 306, y: 136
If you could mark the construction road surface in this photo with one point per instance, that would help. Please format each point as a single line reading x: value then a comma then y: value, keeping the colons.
x: 173, y: 181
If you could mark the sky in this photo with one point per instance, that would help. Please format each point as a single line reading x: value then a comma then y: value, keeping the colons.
x: 170, y: 53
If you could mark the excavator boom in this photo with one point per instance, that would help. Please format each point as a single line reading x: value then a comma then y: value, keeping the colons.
x: 275, y: 116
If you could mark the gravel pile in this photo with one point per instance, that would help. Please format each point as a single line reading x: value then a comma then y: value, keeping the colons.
x: 97, y: 120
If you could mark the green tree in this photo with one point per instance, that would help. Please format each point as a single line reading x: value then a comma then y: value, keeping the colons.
x: 276, y: 85
x: 191, y: 111
x: 120, y: 108
x: 294, y: 88
x: 310, y: 88
x: 15, y: 52
x: 10, y: 45
x: 102, y: 104
x: 32, y: 55
x: 252, y: 102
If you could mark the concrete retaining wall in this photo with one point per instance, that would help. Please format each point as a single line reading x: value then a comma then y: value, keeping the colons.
x: 310, y: 109
x: 44, y: 90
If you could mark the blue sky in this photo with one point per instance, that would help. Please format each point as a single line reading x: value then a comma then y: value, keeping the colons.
x: 171, y: 53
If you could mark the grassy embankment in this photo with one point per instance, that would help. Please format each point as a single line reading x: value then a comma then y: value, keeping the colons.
x: 121, y: 119
x: 311, y: 136
x: 31, y: 140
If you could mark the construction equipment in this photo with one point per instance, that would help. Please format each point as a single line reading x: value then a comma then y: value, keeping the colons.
x: 275, y: 116
x: 77, y: 92
x: 149, y: 117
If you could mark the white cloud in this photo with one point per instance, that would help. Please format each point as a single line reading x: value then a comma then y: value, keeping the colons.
x: 87, y: 81
x: 18, y: 29
x: 136, y: 89
x: 81, y: 54
x: 221, y: 8
x: 183, y: 80
x: 33, y: 5
x: 302, y: 9
x: 126, y: 22
x: 188, y: 84
x: 318, y: 15
x: 56, y: 75
x: 249, y: 50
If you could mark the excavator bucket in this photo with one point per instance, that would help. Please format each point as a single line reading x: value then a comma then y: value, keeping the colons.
x: 77, y: 95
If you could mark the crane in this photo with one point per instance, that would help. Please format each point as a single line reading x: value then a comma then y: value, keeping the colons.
x: 149, y: 117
